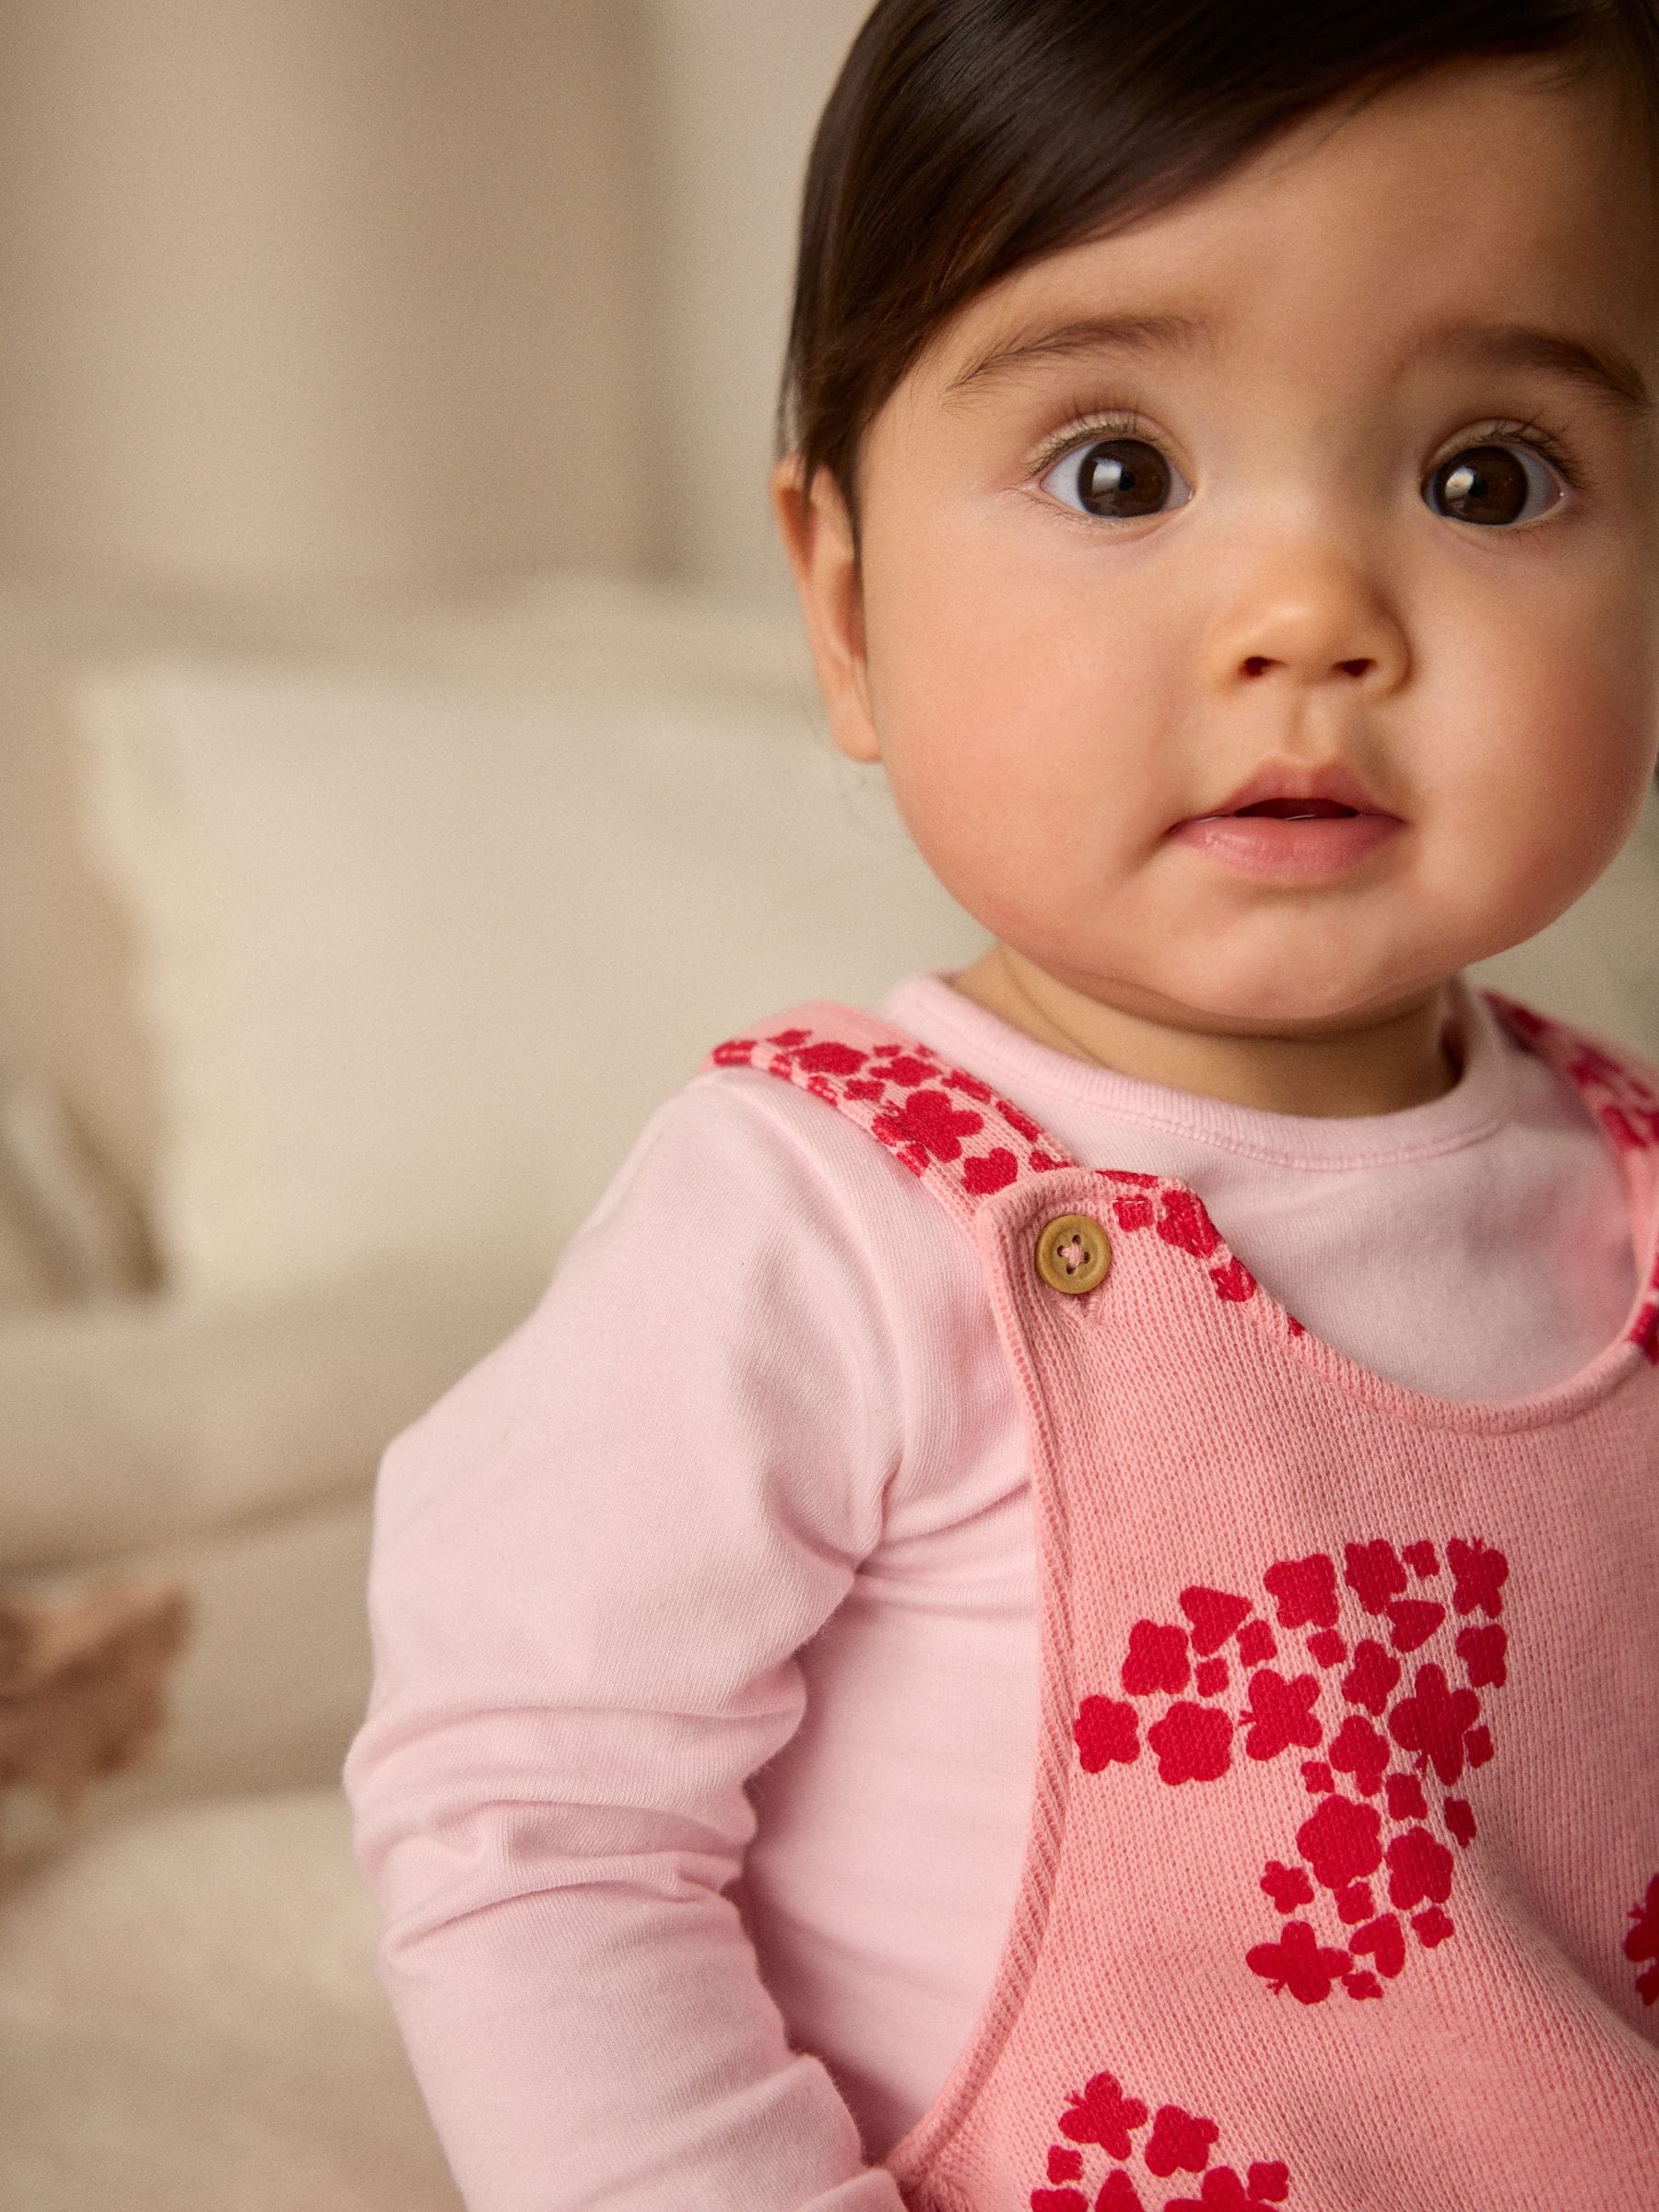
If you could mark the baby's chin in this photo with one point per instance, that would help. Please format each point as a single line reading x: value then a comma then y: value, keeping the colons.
x: 1299, y: 988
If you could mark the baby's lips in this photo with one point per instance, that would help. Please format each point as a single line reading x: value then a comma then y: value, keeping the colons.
x: 1285, y: 780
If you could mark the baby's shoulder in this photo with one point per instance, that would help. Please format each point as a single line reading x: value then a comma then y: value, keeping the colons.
x: 769, y: 1182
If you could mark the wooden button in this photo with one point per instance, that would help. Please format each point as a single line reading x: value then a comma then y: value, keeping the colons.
x: 1074, y: 1254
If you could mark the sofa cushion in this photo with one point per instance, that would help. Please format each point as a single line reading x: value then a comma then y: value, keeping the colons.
x: 135, y: 1423
x: 189, y: 2015
x: 422, y: 950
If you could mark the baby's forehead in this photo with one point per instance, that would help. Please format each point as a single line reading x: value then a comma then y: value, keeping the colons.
x: 1447, y: 209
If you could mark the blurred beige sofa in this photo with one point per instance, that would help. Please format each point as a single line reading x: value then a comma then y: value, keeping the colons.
x: 356, y: 950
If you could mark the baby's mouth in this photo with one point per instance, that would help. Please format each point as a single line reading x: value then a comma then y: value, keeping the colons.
x: 1288, y: 810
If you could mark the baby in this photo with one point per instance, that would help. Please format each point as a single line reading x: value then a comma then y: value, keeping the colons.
x: 1056, y: 1609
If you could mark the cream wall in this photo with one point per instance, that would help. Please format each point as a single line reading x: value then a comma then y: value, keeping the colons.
x: 743, y: 82
x: 315, y: 306
x: 398, y: 293
x: 325, y: 290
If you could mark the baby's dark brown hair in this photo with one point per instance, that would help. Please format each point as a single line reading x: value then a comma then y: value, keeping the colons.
x: 965, y: 138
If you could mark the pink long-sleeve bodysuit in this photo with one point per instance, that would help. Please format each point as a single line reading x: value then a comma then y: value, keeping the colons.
x: 728, y: 1564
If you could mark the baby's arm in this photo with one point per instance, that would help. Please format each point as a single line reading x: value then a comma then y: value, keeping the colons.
x: 594, y: 1561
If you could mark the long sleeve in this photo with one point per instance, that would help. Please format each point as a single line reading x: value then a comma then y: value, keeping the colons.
x: 594, y: 1561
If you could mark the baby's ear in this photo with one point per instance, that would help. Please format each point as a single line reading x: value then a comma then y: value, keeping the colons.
x: 818, y: 536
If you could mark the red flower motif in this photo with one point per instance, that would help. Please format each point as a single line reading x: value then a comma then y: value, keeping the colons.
x: 992, y: 1171
x: 1157, y: 1659
x: 1327, y: 1647
x: 1102, y: 2114
x: 1362, y: 1986
x: 1223, y: 2192
x: 1358, y: 1750
x: 1180, y: 2142
x: 1288, y: 1886
x: 1356, y: 1904
x: 1434, y: 1722
x: 1304, y: 1592
x: 928, y: 1118
x: 1185, y: 1224
x: 1234, y: 1282
x: 1215, y: 1614
x: 1372, y: 1678
x: 1317, y: 1776
x: 1194, y: 1742
x: 1342, y: 1842
x: 1432, y: 1926
x: 1256, y: 1643
x: 1642, y: 1942
x: 737, y: 1053
x: 1298, y: 1962
x: 1421, y: 1559
x: 1460, y: 1820
x: 1482, y: 1651
x: 1120, y: 2194
x: 1133, y: 1213
x: 1418, y: 1867
x: 789, y: 1039
x: 830, y: 1059
x: 970, y: 1086
x: 1375, y: 1571
x: 1411, y: 1622
x: 1406, y: 1798
x: 1384, y: 1941
x: 1481, y: 1573
x: 907, y: 1070
x: 1106, y: 1732
x: 1280, y: 1713
x: 1211, y: 1678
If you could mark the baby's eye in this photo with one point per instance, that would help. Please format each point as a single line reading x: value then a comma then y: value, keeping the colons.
x: 1116, y: 479
x: 1494, y: 484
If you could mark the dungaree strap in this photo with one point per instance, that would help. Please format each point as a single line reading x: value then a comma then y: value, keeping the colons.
x: 965, y: 1143
x: 947, y: 1126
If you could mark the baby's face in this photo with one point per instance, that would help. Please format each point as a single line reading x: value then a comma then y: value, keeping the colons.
x: 1069, y: 652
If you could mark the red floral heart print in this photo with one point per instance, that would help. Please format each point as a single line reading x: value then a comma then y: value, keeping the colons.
x: 1642, y: 1943
x: 1105, y: 2117
x: 1393, y: 1705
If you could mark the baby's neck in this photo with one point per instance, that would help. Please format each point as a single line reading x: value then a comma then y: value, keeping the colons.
x: 1410, y: 1059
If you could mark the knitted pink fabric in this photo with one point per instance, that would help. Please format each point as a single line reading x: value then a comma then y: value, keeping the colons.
x: 1344, y: 1868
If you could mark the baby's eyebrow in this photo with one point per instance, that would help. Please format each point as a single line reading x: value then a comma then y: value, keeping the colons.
x: 1087, y: 334
x: 1598, y: 366
x: 1605, y: 371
